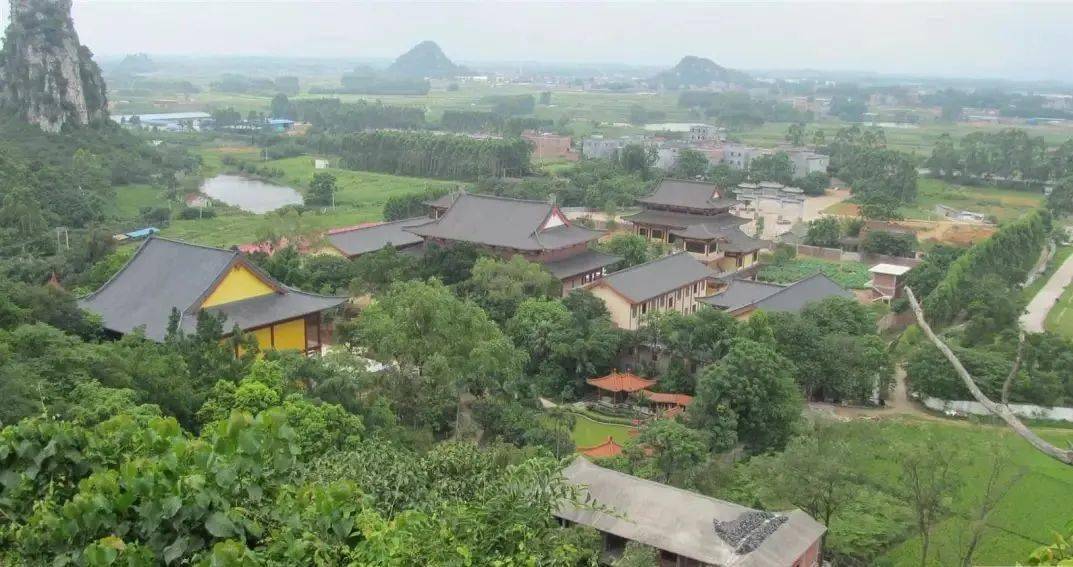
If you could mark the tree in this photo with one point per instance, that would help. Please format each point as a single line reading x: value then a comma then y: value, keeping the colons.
x: 812, y: 474
x: 795, y: 134
x: 754, y: 384
x: 322, y: 190
x: 890, y: 243
x: 824, y: 231
x: 814, y: 184
x: 633, y: 249
x: 929, y: 481
x: 425, y: 326
x: 637, y: 159
x: 690, y: 164
x: 500, y: 286
x: 375, y: 271
x: 672, y: 448
x: 1060, y: 201
x: 281, y: 107
x: 775, y: 167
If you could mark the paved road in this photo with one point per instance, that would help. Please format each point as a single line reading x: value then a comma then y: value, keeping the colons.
x: 1041, y: 304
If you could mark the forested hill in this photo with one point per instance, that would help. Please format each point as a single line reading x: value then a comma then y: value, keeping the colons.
x: 694, y: 71
x: 425, y: 60
x: 47, y: 77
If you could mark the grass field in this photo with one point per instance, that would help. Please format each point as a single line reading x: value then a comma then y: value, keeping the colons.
x: 360, y: 198
x: 1060, y: 318
x: 848, y: 274
x: 130, y: 199
x: 1039, y: 504
x: 588, y: 432
x: 1003, y: 204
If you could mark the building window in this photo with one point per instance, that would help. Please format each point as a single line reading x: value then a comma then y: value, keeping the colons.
x: 657, y: 234
x: 695, y: 247
x: 644, y: 308
x: 642, y: 231
x: 696, y: 288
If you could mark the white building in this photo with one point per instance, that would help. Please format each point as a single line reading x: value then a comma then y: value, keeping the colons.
x: 805, y: 162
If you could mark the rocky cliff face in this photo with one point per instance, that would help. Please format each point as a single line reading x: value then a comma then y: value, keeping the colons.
x: 46, y: 76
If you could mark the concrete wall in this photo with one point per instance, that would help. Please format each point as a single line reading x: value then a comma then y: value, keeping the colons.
x: 1022, y: 410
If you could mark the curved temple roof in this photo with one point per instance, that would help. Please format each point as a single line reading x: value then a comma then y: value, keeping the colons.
x: 167, y: 274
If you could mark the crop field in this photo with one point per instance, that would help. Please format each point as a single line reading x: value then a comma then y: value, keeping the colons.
x: 1040, y: 504
x: 130, y: 199
x: 1060, y: 318
x: 853, y: 275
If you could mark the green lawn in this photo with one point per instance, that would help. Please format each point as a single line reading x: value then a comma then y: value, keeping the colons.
x: 129, y: 200
x: 1038, y: 505
x: 588, y: 432
x: 852, y: 275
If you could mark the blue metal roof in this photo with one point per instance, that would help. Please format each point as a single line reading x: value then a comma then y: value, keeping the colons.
x: 142, y: 232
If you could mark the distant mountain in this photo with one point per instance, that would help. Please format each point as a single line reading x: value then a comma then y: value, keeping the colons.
x: 136, y: 64
x: 694, y: 71
x: 425, y: 60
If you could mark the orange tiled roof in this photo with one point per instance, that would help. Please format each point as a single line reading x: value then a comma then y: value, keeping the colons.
x: 606, y: 449
x: 616, y: 382
x: 664, y: 398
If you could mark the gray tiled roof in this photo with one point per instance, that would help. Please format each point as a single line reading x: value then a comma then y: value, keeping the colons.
x: 689, y: 194
x: 503, y: 222
x: 734, y: 240
x: 683, y: 522
x: 648, y: 280
x: 586, y: 261
x: 265, y: 309
x: 372, y: 238
x: 772, y: 297
x: 165, y: 274
x: 683, y: 220
x: 444, y: 201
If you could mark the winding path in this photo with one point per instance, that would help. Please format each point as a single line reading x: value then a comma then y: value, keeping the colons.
x: 1036, y: 312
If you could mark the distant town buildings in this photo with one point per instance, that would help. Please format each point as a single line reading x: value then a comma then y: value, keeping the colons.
x: 172, y: 122
x: 806, y: 161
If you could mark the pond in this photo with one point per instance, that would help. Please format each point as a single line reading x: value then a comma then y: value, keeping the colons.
x: 250, y: 195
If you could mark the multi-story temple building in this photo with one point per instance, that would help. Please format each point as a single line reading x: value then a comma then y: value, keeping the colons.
x: 695, y: 217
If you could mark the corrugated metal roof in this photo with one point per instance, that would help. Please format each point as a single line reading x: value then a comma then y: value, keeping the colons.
x: 680, y: 521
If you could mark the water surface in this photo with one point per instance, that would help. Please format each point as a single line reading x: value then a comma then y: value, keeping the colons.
x: 250, y: 195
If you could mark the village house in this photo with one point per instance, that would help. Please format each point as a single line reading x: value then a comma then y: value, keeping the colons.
x: 695, y: 217
x: 165, y: 276
x: 550, y: 146
x: 887, y: 281
x: 804, y: 162
x: 670, y: 283
x: 687, y: 529
x: 741, y: 298
x: 536, y: 230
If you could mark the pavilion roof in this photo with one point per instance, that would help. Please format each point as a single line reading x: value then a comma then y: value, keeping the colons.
x: 665, y: 398
x: 621, y: 382
x: 606, y: 449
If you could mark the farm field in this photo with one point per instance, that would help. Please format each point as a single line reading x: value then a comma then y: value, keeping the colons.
x: 588, y: 432
x: 1003, y: 204
x: 1037, y: 506
x: 852, y: 275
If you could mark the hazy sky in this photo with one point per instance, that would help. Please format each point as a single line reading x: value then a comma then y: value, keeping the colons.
x: 1014, y: 40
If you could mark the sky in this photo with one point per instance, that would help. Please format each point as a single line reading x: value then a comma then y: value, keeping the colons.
x: 1020, y: 40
